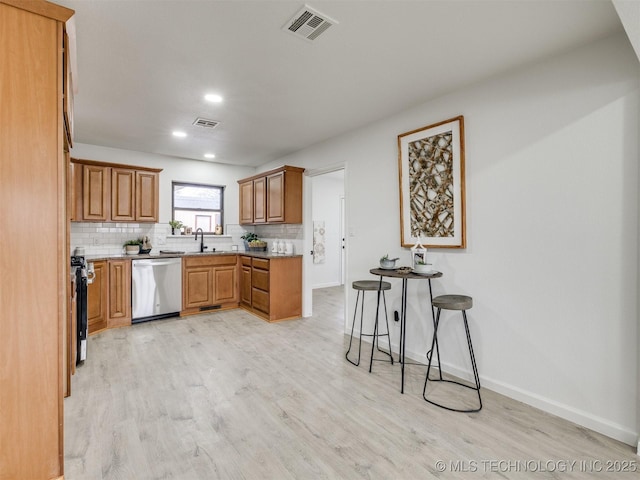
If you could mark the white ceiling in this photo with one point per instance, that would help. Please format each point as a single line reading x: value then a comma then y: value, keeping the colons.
x: 144, y: 66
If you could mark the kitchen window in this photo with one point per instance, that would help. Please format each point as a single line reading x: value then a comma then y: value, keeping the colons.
x: 198, y: 205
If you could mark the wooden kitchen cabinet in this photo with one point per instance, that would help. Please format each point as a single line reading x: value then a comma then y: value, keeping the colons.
x: 246, y: 202
x: 97, y: 298
x: 95, y: 192
x: 209, y: 282
x: 147, y: 194
x: 114, y: 193
x: 34, y: 298
x: 275, y: 291
x: 259, y: 200
x: 123, y: 194
x: 245, y: 281
x: 119, y: 281
x: 272, y: 197
x: 197, y: 286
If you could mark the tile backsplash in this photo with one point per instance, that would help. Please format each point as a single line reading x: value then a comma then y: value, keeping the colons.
x: 108, y: 238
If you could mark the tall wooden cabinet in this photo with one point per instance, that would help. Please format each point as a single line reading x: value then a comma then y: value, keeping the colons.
x: 34, y: 295
x: 272, y: 197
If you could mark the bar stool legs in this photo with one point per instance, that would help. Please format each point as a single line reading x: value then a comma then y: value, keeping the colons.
x: 453, y: 302
x: 362, y: 286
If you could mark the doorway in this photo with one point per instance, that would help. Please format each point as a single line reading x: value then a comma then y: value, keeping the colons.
x: 325, y: 227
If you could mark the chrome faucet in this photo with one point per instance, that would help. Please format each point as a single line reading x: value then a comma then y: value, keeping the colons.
x: 202, y: 245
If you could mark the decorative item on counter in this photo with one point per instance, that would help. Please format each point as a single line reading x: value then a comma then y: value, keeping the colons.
x: 388, y: 263
x: 288, y: 248
x: 188, y: 230
x: 132, y: 247
x: 175, y: 225
x: 146, y: 246
x: 418, y: 254
x: 253, y: 244
x: 218, y: 230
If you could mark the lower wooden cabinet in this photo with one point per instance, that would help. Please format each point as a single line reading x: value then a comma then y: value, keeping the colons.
x: 119, y: 293
x: 209, y: 282
x: 272, y: 288
x: 109, y: 296
x: 97, y: 293
x: 245, y: 281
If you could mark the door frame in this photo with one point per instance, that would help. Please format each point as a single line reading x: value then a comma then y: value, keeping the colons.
x: 307, y: 259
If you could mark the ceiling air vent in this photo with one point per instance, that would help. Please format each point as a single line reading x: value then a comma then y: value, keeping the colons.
x: 309, y: 24
x: 203, y: 122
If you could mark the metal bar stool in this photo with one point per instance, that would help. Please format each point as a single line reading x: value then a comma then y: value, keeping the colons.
x: 453, y: 302
x: 362, y: 286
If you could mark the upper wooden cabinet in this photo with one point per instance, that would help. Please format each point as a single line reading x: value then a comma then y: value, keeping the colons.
x: 272, y: 197
x: 147, y: 186
x: 114, y: 193
x: 95, y: 193
x: 123, y: 194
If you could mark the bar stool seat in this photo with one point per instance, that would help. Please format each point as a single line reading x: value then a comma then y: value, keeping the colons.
x: 374, y: 286
x: 461, y: 303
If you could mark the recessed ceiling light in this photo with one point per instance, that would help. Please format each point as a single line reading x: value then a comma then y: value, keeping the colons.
x: 212, y: 97
x: 209, y: 155
x: 177, y: 133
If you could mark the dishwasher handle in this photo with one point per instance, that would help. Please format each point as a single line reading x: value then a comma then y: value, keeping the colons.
x: 153, y: 263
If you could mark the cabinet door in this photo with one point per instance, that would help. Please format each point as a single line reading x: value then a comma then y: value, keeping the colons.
x: 119, y: 293
x: 275, y: 197
x: 97, y: 299
x: 225, y: 281
x: 245, y: 285
x: 246, y: 203
x: 123, y: 194
x: 260, y: 300
x: 95, y: 193
x: 197, y: 287
x: 146, y: 196
x: 259, y: 200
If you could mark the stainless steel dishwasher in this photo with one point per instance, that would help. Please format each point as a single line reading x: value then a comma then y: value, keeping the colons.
x: 156, y: 288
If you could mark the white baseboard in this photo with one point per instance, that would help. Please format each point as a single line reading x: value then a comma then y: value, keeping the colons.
x: 567, y: 412
x: 326, y: 285
x: 575, y: 415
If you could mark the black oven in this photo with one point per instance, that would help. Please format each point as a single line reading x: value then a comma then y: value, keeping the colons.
x: 80, y: 270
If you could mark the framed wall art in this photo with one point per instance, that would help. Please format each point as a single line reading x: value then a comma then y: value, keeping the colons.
x: 432, y: 196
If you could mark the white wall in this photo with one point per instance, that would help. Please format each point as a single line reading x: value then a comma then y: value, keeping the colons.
x: 552, y: 227
x: 326, y: 192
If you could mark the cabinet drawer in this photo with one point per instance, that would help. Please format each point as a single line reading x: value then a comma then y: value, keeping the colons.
x: 246, y: 261
x: 208, y: 260
x: 260, y: 300
x: 260, y: 279
x: 261, y: 263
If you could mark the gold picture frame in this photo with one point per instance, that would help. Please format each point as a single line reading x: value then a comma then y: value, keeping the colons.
x: 432, y: 188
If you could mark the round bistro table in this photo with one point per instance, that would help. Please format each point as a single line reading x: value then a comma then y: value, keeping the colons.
x: 406, y: 276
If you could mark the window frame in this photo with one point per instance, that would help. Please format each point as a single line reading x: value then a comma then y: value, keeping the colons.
x: 222, y: 189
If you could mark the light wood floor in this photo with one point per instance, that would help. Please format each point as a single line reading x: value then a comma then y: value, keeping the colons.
x: 228, y: 396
